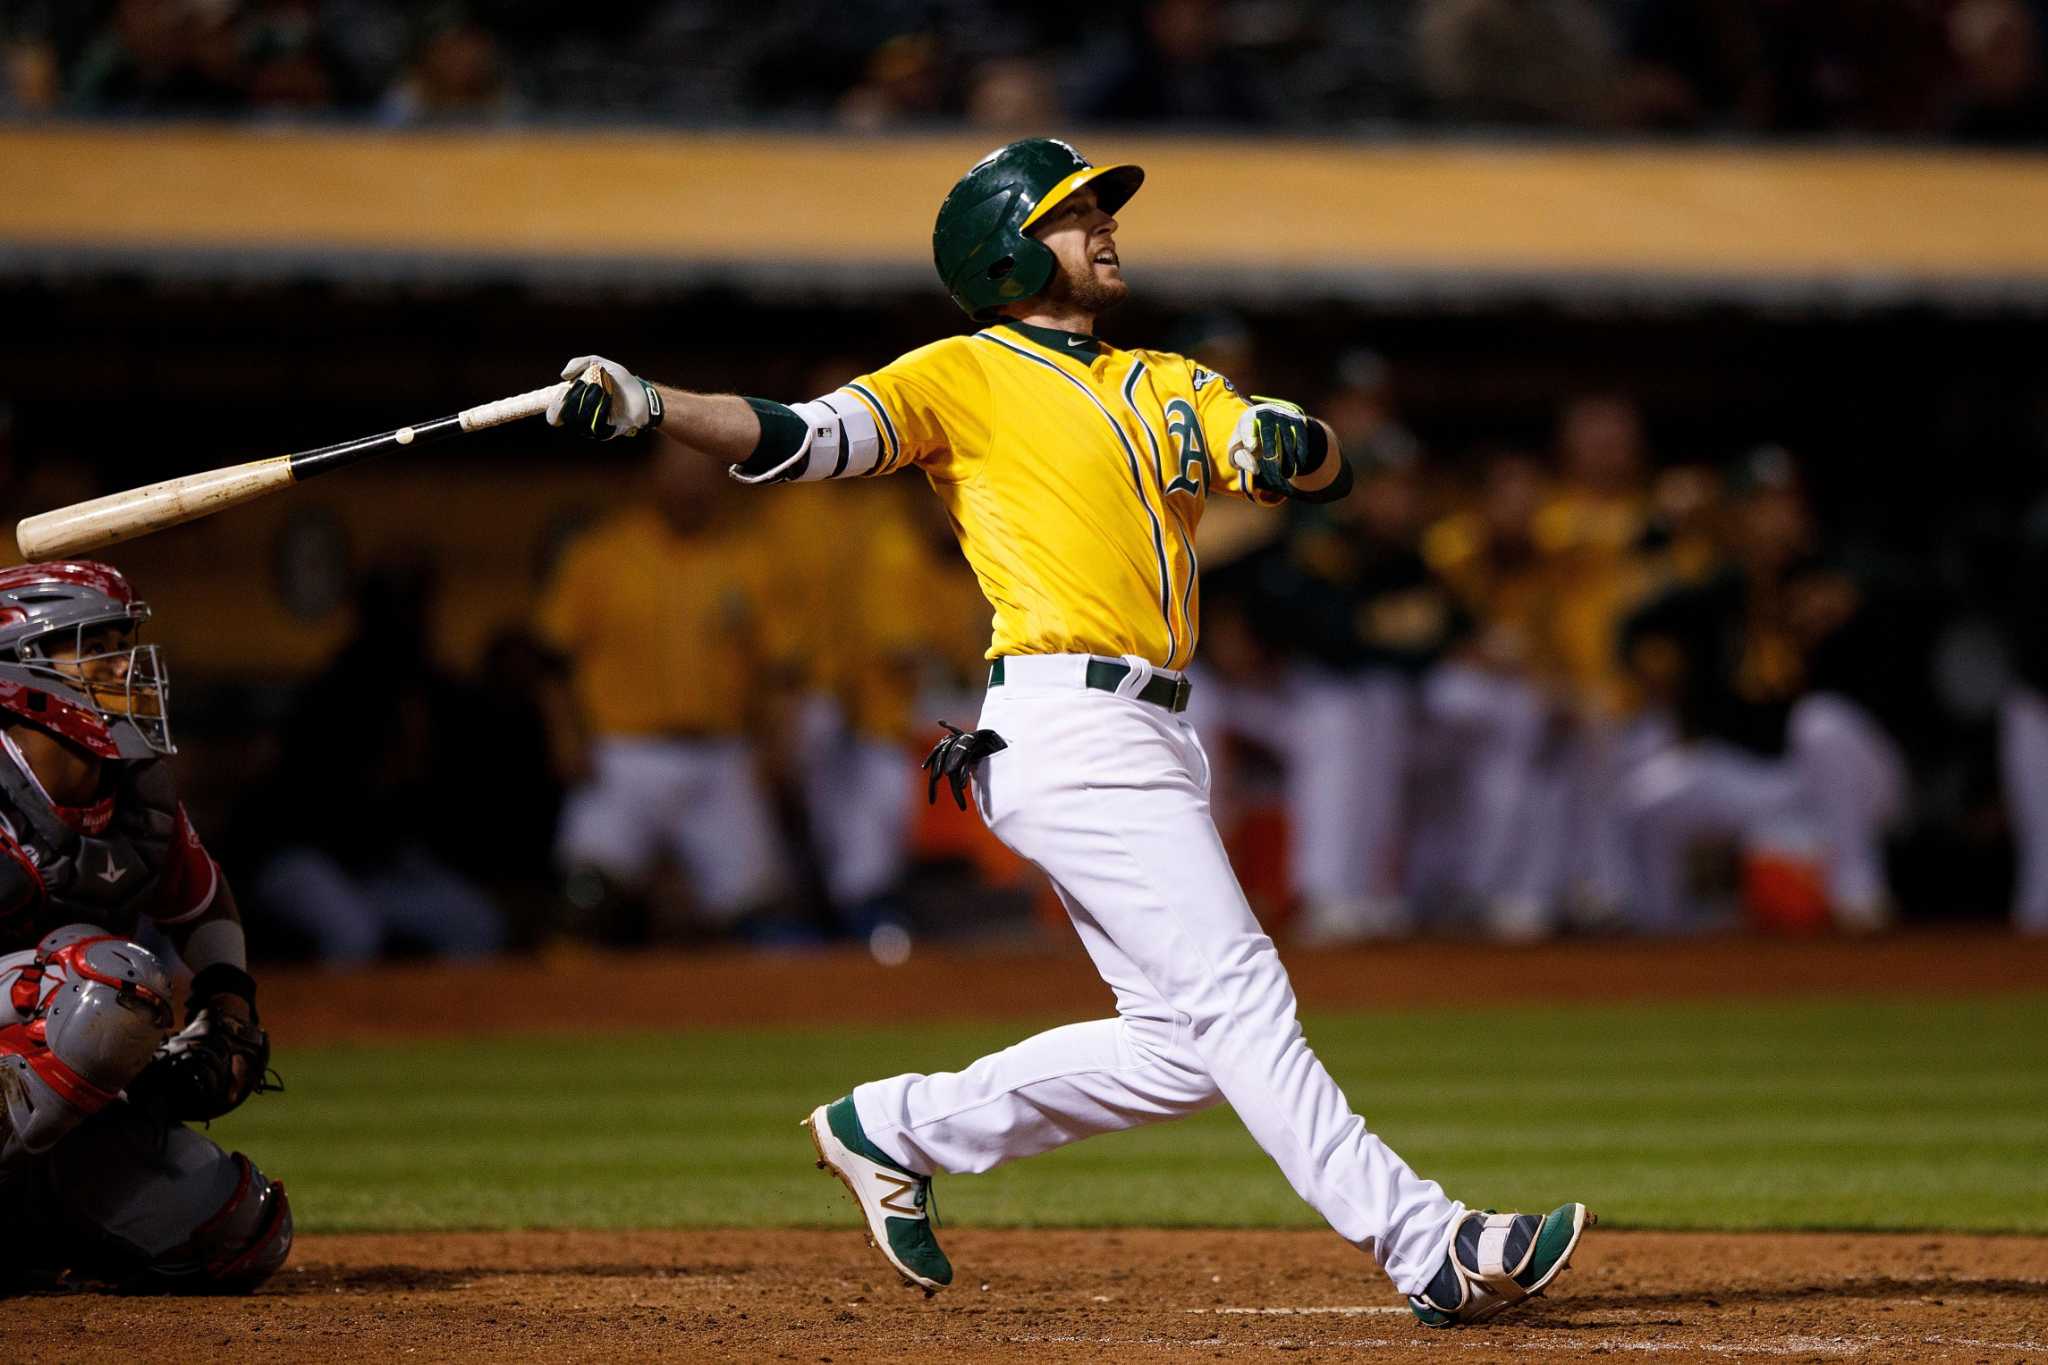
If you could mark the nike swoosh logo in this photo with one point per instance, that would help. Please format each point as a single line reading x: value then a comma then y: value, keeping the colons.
x: 1080, y: 341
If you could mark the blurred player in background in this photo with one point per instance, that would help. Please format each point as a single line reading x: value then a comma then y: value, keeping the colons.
x: 1491, y: 711
x: 1075, y: 474
x: 662, y: 615
x: 99, y: 1176
x: 356, y: 808
x: 1347, y: 597
x: 2023, y: 727
x: 1777, y: 673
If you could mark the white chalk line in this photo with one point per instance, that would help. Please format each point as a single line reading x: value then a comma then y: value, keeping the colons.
x: 1794, y: 1345
x: 1340, y: 1310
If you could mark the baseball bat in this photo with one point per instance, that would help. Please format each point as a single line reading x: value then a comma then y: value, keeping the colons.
x: 172, y: 502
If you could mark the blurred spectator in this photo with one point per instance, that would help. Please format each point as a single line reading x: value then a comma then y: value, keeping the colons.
x: 365, y: 779
x: 30, y: 82
x: 1014, y: 96
x: 1544, y: 62
x: 1869, y: 66
x: 289, y: 68
x: 1968, y: 68
x: 163, y: 57
x: 1696, y: 65
x: 2001, y: 99
x: 1174, y: 67
x: 455, y: 75
x: 666, y: 616
x: 1774, y: 673
x: 905, y: 83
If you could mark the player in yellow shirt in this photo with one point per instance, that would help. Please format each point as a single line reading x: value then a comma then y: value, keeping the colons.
x: 1075, y: 473
x: 663, y: 614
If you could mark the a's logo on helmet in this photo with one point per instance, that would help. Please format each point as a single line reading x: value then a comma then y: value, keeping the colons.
x: 1068, y: 147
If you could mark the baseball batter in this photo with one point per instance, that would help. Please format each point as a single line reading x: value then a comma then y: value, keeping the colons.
x: 1075, y: 473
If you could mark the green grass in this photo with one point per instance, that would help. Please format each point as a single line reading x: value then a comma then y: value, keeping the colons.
x: 1737, y: 1115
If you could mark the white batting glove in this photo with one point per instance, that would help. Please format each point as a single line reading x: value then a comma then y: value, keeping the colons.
x: 604, y: 399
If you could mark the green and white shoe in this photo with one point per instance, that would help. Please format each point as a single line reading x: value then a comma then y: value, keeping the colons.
x: 896, y: 1203
x: 1498, y: 1260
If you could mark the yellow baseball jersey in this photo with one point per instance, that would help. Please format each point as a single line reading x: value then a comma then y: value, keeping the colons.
x: 664, y: 632
x: 1074, y: 473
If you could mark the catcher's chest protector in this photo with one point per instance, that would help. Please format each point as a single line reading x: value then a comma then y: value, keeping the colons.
x: 105, y: 874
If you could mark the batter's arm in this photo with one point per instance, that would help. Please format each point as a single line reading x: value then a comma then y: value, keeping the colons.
x: 759, y: 441
x: 1326, y: 473
x: 724, y: 426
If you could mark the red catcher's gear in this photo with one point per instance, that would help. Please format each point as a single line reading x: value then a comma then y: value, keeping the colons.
x: 48, y: 611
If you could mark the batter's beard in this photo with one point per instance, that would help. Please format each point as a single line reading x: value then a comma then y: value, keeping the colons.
x: 1085, y: 291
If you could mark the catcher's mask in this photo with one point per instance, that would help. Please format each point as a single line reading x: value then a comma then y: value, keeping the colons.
x: 69, y: 662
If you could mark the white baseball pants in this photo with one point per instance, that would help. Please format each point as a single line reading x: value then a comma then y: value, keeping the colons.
x: 1110, y: 797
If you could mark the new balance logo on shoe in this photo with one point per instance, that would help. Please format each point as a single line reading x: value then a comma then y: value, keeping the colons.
x: 902, y: 1196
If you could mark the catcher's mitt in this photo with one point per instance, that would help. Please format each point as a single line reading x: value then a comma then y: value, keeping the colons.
x: 194, y: 1076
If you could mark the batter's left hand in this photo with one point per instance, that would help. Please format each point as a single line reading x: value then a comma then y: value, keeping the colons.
x: 604, y: 399
x: 1272, y: 438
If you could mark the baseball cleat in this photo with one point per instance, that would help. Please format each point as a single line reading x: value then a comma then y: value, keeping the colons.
x: 896, y: 1203
x: 1498, y: 1260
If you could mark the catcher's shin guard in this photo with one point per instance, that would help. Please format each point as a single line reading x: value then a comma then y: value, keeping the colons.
x: 163, y: 1210
x: 243, y: 1244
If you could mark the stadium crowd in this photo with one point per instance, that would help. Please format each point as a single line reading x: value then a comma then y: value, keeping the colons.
x: 1963, y: 70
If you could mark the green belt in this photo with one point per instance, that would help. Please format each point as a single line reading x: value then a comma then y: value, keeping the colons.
x: 1105, y: 675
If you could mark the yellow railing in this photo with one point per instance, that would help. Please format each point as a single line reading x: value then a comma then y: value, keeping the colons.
x: 1253, y: 214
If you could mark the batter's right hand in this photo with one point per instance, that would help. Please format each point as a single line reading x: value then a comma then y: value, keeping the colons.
x: 604, y: 399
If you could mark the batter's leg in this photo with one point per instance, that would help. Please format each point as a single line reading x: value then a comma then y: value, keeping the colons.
x: 1051, y: 1089
x: 1111, y: 798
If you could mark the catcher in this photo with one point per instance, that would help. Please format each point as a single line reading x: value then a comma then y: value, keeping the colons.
x: 99, y: 1177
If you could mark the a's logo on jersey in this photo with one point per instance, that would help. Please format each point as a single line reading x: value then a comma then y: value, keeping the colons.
x: 1190, y: 450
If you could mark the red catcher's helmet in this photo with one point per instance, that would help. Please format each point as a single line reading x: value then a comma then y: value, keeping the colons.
x: 58, y: 671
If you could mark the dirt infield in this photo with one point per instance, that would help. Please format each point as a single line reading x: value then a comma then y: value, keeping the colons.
x: 1065, y: 1296
x: 583, y: 991
x: 1104, y: 1296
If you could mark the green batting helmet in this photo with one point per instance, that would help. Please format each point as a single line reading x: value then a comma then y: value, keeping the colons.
x: 981, y: 243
